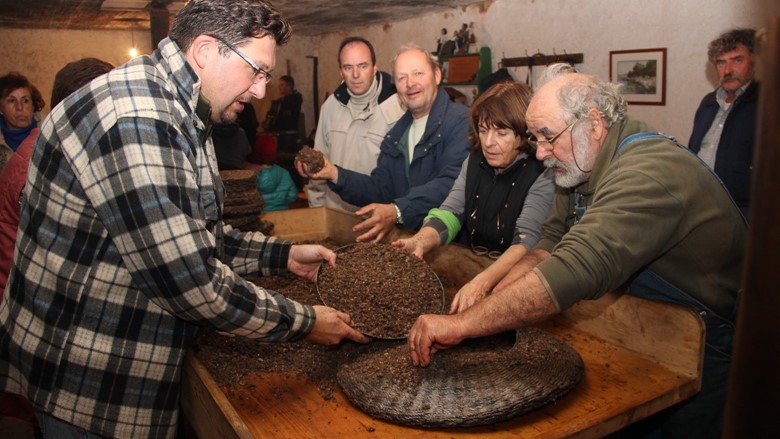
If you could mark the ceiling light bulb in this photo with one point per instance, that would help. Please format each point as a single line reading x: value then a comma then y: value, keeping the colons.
x: 133, y: 52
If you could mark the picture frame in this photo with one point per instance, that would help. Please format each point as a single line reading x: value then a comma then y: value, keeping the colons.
x: 642, y: 73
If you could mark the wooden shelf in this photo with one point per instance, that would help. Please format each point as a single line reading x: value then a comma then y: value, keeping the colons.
x: 465, y: 66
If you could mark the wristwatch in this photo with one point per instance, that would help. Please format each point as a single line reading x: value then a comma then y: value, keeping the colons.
x: 398, y: 218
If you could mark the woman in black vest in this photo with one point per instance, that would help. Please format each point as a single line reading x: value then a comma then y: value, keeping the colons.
x: 500, y: 199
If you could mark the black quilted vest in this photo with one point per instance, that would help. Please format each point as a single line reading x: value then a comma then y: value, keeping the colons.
x: 494, y: 201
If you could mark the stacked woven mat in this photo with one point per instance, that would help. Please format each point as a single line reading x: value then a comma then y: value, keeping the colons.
x: 243, y: 202
x: 478, y: 382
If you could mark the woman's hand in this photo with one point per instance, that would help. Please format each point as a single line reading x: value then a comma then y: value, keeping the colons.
x: 468, y: 295
x: 424, y: 241
x: 411, y: 245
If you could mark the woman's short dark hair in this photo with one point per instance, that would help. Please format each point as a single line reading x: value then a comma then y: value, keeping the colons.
x: 233, y: 21
x: 15, y: 80
x: 502, y: 106
x: 75, y: 75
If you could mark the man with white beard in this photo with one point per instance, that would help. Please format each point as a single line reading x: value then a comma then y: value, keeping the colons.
x: 637, y: 212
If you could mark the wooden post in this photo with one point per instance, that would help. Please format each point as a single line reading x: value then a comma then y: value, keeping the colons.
x: 754, y: 388
x: 158, y: 22
x: 315, y: 88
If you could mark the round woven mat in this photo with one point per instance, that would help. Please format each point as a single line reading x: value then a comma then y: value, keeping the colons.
x: 253, y: 207
x: 240, y: 198
x: 239, y: 180
x: 478, y: 382
x: 230, y: 176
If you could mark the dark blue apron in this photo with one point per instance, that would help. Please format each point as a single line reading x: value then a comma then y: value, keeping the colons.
x: 702, y: 415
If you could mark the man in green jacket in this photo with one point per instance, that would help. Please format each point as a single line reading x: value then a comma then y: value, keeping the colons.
x: 638, y: 213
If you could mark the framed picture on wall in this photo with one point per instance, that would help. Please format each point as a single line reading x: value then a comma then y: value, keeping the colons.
x: 642, y: 73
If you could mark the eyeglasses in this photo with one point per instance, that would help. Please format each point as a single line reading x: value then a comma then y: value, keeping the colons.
x: 534, y: 142
x: 482, y: 251
x: 259, y: 74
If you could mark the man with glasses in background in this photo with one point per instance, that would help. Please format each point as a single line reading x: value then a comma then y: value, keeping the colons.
x: 636, y: 212
x: 122, y: 255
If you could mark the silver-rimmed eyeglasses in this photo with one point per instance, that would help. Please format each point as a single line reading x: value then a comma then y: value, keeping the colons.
x: 535, y: 143
x: 258, y: 73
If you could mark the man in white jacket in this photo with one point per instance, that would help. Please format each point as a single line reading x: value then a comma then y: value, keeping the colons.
x: 354, y: 119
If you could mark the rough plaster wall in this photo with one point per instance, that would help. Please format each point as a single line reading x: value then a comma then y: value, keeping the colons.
x: 508, y: 27
x: 386, y: 38
x: 592, y: 27
x: 39, y: 54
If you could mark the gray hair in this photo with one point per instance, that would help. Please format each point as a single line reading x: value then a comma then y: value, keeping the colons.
x: 553, y: 71
x: 432, y: 60
x: 729, y: 41
x: 579, y: 96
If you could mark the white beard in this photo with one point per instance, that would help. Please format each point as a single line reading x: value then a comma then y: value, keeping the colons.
x: 572, y: 176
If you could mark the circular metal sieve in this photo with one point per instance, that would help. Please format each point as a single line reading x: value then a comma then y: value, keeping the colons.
x: 375, y: 311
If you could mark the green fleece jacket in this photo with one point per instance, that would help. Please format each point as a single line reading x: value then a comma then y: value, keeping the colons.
x: 653, y: 205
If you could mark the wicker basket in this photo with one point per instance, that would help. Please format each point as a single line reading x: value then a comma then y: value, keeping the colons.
x: 476, y: 383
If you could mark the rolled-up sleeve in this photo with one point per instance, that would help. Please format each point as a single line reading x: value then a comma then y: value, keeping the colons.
x: 536, y: 208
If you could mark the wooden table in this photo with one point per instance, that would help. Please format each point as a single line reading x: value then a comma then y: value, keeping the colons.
x: 640, y: 357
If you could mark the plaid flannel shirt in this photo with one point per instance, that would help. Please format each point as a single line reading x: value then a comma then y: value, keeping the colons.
x: 115, y: 265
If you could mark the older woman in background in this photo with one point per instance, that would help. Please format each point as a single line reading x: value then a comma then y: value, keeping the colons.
x: 19, y: 101
x: 18, y: 105
x: 500, y: 199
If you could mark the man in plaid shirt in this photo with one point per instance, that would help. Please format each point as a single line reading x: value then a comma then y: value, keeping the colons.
x: 122, y: 255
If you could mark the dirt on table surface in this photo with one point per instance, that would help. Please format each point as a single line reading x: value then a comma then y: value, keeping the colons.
x: 230, y: 359
x: 311, y: 158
